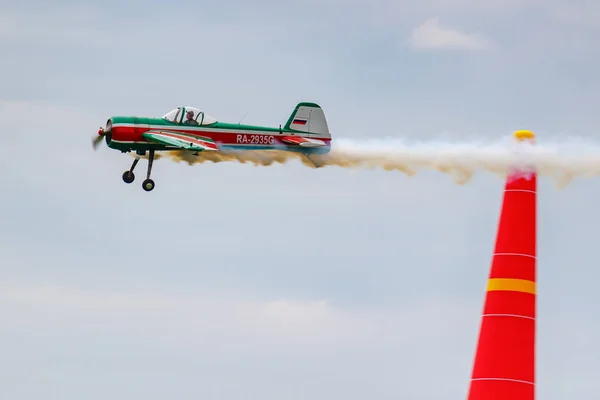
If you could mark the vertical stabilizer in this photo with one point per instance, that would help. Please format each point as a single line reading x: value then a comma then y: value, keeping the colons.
x: 504, y: 365
x: 308, y: 118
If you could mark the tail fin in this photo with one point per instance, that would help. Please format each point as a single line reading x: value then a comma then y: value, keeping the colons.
x: 308, y: 118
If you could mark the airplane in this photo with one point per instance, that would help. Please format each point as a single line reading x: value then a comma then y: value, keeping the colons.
x: 189, y: 128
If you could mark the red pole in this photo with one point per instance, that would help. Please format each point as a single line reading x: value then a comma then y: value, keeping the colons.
x: 504, y: 365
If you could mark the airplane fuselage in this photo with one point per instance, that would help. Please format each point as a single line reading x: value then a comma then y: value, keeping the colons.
x: 126, y: 134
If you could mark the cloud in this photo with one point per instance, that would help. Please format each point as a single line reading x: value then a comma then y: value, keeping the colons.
x: 430, y: 34
x: 217, y: 318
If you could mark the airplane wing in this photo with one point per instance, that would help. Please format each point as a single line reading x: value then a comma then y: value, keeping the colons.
x: 181, y: 140
x: 302, y: 141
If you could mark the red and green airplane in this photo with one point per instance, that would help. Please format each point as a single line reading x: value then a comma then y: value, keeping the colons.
x: 188, y: 128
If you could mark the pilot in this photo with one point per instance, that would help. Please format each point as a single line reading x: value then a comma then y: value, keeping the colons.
x: 190, y: 118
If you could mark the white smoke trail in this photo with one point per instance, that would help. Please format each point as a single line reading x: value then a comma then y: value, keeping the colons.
x: 561, y: 160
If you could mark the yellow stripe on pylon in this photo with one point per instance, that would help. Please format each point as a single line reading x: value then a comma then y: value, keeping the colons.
x: 512, y: 285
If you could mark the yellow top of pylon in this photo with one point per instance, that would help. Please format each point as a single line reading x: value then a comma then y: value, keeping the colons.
x: 524, y: 135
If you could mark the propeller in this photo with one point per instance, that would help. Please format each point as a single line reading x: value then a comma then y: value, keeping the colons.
x: 97, y: 139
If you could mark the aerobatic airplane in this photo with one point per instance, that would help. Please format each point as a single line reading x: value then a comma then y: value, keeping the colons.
x: 188, y: 128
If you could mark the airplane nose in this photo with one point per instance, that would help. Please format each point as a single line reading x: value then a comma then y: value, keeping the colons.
x: 96, y: 141
x: 103, y: 133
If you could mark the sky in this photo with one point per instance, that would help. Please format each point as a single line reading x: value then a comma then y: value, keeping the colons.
x: 231, y: 281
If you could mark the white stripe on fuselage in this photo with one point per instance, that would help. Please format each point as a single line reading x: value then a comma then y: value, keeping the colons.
x: 201, y: 128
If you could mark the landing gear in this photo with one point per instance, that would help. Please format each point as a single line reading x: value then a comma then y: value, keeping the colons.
x: 148, y: 183
x: 129, y: 176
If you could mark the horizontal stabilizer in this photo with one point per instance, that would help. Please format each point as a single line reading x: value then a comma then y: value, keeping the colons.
x: 181, y: 140
x: 302, y: 141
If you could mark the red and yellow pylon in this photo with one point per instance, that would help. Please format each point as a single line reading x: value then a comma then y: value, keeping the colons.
x: 504, y: 365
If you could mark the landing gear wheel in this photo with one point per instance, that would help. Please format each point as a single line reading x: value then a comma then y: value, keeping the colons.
x: 128, y: 176
x: 148, y: 185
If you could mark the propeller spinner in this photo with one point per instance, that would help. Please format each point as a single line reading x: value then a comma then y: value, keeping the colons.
x: 97, y: 139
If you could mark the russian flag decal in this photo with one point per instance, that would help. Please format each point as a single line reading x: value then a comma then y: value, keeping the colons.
x: 299, y: 121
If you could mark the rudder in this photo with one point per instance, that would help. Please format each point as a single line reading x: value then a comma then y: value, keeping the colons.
x: 308, y: 118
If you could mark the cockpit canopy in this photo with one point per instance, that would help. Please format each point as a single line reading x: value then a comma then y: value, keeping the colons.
x: 179, y: 116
